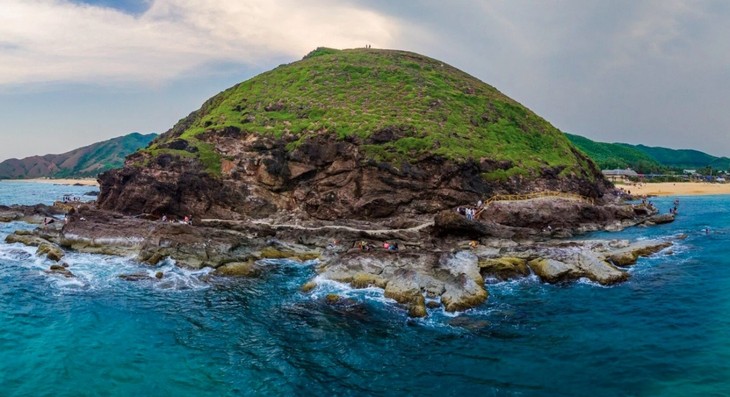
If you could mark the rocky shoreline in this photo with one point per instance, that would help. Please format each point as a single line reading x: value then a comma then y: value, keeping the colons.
x: 447, y: 261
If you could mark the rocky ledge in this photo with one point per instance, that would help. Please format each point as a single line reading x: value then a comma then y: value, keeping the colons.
x: 457, y: 279
x: 447, y: 262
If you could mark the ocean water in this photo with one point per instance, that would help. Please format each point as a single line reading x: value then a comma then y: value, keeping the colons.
x: 665, y: 332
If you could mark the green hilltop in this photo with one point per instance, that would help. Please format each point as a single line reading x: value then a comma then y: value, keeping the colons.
x: 433, y: 109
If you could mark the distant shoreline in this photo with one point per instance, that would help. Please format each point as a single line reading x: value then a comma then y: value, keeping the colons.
x: 60, y: 181
x: 676, y: 188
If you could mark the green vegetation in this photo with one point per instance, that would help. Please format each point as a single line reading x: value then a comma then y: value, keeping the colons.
x: 685, y: 158
x: 431, y: 109
x: 617, y: 156
x: 85, y: 162
x: 645, y: 159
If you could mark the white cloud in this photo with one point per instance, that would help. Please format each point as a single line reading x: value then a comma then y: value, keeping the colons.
x: 60, y: 41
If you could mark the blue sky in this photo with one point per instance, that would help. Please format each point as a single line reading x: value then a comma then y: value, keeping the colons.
x: 134, y: 7
x: 655, y: 72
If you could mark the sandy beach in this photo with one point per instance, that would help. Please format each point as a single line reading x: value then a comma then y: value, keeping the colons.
x: 85, y: 182
x: 677, y: 189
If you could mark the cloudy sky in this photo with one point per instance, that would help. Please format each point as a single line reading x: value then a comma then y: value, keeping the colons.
x: 74, y: 72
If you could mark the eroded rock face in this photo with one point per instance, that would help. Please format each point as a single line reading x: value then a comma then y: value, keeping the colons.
x: 240, y: 269
x: 324, y: 177
x: 504, y: 268
x: 554, y: 271
x: 51, y: 251
x: 627, y: 256
x: 556, y: 213
x: 409, y: 278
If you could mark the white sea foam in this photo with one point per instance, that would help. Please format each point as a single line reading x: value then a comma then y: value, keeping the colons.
x: 587, y: 281
x: 287, y: 262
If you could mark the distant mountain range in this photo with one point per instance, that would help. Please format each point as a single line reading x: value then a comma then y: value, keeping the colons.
x: 646, y: 159
x: 84, y: 162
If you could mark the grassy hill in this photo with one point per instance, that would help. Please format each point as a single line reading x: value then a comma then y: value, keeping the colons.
x: 646, y: 159
x: 431, y: 108
x: 685, y: 158
x: 616, y: 155
x: 87, y: 161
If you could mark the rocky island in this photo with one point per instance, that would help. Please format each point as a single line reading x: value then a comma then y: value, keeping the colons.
x: 347, y: 152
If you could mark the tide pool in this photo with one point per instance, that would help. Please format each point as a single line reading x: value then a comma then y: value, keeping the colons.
x: 662, y: 333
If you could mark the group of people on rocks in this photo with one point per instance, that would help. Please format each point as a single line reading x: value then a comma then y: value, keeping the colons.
x: 674, y: 209
x: 363, y: 245
x: 469, y: 212
x: 67, y: 198
x: 188, y: 220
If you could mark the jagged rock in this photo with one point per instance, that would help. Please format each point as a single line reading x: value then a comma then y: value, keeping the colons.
x: 136, y: 277
x: 563, y: 215
x: 462, y: 263
x: 469, y: 323
x: 10, y: 216
x: 332, y: 298
x: 25, y: 238
x: 505, y: 268
x: 404, y: 289
x: 51, y: 251
x: 596, y: 269
x: 554, y: 271
x: 365, y: 280
x: 284, y: 253
x: 239, y: 269
x: 433, y: 304
x: 462, y: 294
x: 660, y: 219
x: 26, y: 213
x: 628, y: 256
x: 308, y: 286
x: 449, y: 223
x: 60, y: 269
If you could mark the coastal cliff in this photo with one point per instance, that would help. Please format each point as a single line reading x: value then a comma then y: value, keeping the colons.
x: 355, y: 134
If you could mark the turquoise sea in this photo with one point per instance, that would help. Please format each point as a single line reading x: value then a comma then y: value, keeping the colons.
x: 666, y: 332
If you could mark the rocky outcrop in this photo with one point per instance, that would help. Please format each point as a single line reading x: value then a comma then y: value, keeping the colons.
x: 455, y: 280
x: 409, y: 278
x: 28, y: 213
x: 428, y: 272
x: 240, y: 269
x: 25, y: 238
x: 555, y: 214
x: 51, y: 251
x: 504, y: 268
x: 61, y: 269
x: 554, y: 271
x: 574, y: 266
x: 628, y: 256
x: 659, y: 219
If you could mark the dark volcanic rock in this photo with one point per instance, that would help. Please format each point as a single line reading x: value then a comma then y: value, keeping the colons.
x: 558, y: 213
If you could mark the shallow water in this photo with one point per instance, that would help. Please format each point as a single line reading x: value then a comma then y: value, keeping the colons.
x: 664, y: 332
